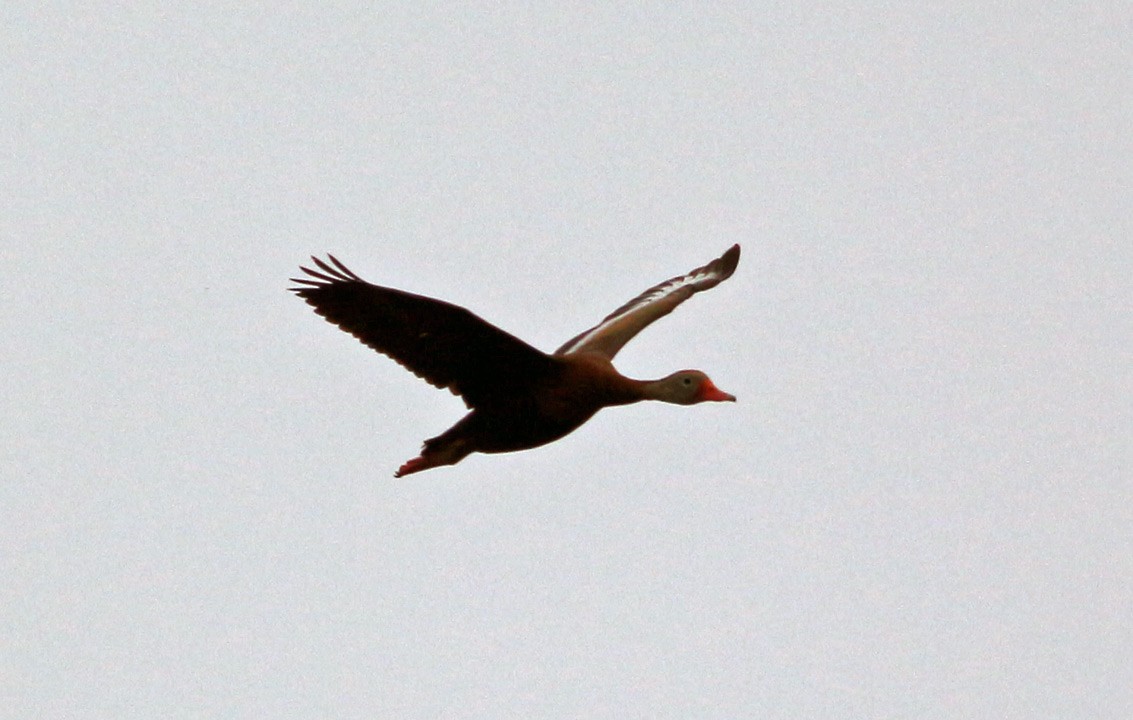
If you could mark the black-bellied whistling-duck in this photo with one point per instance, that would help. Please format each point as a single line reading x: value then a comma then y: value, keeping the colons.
x: 519, y: 397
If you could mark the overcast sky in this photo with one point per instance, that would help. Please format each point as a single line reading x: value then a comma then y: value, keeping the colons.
x: 920, y: 507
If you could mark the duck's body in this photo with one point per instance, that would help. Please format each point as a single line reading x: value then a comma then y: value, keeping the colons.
x: 520, y: 398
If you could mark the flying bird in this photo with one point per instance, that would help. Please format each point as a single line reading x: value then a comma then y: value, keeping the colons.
x: 518, y: 397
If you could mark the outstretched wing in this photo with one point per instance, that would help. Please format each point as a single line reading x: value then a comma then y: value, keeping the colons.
x: 442, y: 343
x: 608, y: 336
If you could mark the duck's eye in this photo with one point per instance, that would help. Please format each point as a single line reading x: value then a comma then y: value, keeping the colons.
x: 687, y: 381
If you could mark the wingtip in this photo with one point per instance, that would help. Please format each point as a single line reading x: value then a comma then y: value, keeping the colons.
x: 326, y: 274
x: 729, y: 261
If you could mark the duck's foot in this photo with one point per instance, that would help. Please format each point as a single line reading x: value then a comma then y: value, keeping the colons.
x: 417, y: 464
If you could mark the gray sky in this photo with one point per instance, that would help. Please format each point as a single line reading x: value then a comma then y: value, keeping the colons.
x: 920, y: 507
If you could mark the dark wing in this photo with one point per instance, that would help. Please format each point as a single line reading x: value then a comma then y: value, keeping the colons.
x: 444, y: 344
x: 608, y: 336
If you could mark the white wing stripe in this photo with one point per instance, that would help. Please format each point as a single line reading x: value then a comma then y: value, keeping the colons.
x: 648, y: 297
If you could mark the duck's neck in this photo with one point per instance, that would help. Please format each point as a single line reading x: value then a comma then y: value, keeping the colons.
x: 638, y: 390
x: 612, y: 387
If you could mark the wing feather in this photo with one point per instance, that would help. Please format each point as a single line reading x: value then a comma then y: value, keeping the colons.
x: 444, y: 344
x: 620, y: 326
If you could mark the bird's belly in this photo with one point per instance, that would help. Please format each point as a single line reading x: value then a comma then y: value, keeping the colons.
x: 521, y: 431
